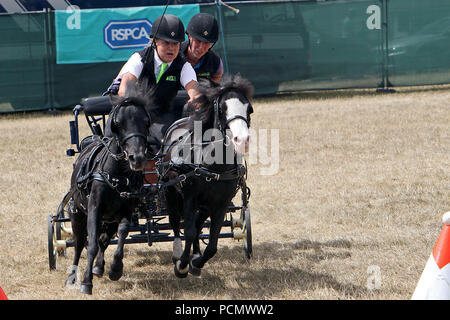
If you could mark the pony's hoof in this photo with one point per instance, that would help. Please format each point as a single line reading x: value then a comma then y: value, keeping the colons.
x: 194, y: 271
x: 86, y: 288
x: 98, y: 272
x: 116, y: 271
x: 180, y: 273
x: 115, y: 275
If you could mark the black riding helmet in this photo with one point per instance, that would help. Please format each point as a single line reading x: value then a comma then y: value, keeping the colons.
x: 169, y: 28
x: 203, y: 27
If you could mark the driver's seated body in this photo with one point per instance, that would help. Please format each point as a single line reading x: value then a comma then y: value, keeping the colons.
x: 161, y: 67
x: 203, y: 32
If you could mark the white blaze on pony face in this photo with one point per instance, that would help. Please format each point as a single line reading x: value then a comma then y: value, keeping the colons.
x: 238, y: 126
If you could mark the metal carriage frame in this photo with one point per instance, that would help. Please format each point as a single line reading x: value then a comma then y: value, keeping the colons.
x: 156, y: 227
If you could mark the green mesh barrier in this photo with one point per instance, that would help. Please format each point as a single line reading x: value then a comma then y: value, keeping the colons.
x: 280, y: 46
x: 23, y: 62
x: 285, y: 46
x: 418, y: 42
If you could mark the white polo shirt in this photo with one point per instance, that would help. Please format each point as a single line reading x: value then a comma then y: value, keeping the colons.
x: 134, y: 66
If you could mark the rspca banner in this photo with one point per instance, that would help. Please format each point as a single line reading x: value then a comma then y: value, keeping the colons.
x: 108, y: 35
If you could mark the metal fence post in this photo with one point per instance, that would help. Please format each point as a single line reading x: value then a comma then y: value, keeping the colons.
x: 49, y: 64
x: 48, y: 99
x: 388, y: 83
x: 222, y: 37
x: 385, y: 85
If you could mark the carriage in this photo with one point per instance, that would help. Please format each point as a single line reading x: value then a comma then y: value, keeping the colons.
x: 149, y: 223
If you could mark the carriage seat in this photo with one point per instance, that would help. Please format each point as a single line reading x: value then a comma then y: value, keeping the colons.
x: 96, y: 106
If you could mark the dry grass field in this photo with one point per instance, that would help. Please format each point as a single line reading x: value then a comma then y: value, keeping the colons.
x: 352, y: 213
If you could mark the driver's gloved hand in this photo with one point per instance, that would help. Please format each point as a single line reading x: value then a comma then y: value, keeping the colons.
x: 113, y: 88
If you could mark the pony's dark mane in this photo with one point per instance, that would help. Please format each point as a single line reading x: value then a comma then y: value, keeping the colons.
x: 210, y: 90
x: 135, y: 94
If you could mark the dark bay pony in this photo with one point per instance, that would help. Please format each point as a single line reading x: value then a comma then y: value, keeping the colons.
x: 207, y: 169
x: 106, y: 168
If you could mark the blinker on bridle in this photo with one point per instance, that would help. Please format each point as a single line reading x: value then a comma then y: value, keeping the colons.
x: 218, y: 111
x: 124, y: 103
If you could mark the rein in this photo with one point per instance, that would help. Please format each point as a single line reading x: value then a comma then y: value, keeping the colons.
x: 106, y: 142
x: 195, y: 170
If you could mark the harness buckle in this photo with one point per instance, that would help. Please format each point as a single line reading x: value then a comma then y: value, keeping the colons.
x: 227, y: 141
x: 216, y: 177
x: 183, y: 179
x: 114, y: 182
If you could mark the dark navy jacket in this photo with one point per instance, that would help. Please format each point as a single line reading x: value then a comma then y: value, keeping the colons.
x: 208, y: 64
x: 169, y: 84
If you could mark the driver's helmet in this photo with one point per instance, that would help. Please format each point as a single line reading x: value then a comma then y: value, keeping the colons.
x: 169, y: 28
x: 203, y: 27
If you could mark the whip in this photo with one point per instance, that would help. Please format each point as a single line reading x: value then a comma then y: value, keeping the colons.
x: 228, y: 6
x: 145, y: 58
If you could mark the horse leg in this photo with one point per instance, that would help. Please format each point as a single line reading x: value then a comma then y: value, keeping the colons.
x: 211, y: 248
x: 174, y: 220
x: 99, y: 267
x: 116, y: 270
x: 79, y: 232
x: 196, y: 252
x: 177, y: 248
x: 92, y: 250
x: 200, y: 219
x: 182, y: 265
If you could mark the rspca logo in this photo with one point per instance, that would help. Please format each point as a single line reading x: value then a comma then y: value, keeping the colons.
x: 127, y: 34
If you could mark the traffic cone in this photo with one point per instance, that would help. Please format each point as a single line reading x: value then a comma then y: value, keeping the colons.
x: 434, y: 284
x: 2, y: 295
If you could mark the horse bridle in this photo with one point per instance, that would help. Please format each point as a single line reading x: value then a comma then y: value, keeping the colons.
x: 218, y: 112
x: 114, y: 123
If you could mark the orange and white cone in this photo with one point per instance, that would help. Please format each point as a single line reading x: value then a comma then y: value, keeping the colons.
x: 434, y: 284
x: 2, y: 295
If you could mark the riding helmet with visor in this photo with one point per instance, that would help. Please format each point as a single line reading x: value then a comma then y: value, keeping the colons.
x: 203, y: 27
x: 168, y: 28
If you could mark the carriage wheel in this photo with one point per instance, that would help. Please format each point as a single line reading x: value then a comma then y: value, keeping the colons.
x: 62, y: 212
x: 62, y: 208
x: 51, y: 239
x: 248, y: 232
